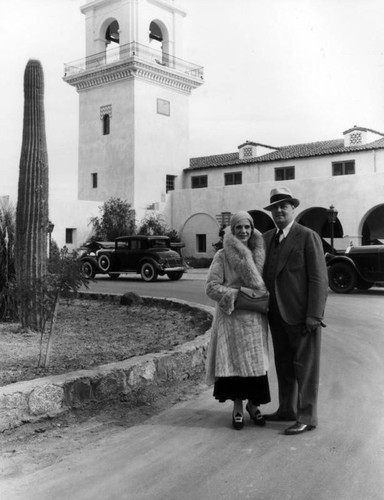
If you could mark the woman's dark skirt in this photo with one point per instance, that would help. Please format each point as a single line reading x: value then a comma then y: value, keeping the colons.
x: 256, y: 389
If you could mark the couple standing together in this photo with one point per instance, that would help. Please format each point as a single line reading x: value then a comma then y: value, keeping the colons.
x: 288, y: 262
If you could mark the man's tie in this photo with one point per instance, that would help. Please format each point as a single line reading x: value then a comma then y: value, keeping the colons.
x: 278, y: 236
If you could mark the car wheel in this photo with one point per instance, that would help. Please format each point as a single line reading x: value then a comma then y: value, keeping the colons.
x: 148, y: 272
x: 342, y: 278
x: 364, y: 284
x: 114, y: 276
x: 175, y: 275
x: 104, y: 263
x: 88, y: 270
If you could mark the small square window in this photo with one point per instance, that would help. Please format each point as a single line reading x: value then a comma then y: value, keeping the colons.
x: 233, y: 178
x: 199, y: 181
x: 343, y: 167
x: 284, y: 173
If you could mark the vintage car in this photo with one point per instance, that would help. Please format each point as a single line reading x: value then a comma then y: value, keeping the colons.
x: 91, y: 247
x: 149, y: 256
x: 357, y: 267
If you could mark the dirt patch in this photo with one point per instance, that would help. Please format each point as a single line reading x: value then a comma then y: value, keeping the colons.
x: 90, y: 332
x: 93, y: 332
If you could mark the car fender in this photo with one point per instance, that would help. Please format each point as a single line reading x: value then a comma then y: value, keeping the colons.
x: 92, y: 260
x: 331, y: 260
x: 155, y: 264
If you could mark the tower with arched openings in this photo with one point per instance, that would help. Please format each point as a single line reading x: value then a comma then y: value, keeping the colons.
x: 133, y: 88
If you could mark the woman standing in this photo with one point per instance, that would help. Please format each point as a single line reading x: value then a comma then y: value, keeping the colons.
x: 237, y: 361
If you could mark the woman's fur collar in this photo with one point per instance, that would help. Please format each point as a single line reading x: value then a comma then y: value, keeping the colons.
x: 247, y: 261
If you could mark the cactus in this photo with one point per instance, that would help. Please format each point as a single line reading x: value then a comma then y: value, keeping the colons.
x: 32, y: 202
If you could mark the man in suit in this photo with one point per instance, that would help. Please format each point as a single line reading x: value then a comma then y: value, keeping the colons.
x: 296, y: 276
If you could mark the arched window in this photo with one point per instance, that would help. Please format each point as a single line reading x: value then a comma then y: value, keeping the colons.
x: 106, y: 124
x: 112, y: 42
x: 159, y: 41
x: 155, y: 35
x: 112, y: 33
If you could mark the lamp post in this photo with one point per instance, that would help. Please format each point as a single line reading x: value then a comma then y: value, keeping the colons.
x: 332, y: 217
x: 50, y: 228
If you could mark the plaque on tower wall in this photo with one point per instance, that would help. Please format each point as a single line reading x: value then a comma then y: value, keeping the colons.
x: 163, y: 107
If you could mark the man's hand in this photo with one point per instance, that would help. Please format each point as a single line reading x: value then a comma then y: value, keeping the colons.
x: 311, y: 324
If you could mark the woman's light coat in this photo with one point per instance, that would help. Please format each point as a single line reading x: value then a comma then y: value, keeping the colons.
x: 239, y: 339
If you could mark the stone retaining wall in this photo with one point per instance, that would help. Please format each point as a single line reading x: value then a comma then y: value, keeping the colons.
x: 41, y: 398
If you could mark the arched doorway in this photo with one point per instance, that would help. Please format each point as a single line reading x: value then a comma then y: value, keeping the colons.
x: 373, y: 227
x: 199, y: 233
x: 262, y: 221
x: 316, y: 218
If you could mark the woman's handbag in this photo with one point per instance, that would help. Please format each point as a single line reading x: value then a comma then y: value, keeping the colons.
x: 252, y: 300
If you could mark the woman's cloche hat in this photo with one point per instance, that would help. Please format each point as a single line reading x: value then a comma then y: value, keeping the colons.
x: 279, y: 195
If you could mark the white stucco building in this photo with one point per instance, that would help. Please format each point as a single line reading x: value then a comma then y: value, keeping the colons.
x: 347, y: 173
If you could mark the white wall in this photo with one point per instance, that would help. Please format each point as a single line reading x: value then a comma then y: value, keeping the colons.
x: 352, y: 195
x: 110, y: 156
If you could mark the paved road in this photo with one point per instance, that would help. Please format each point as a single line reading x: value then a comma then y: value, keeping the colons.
x: 190, y: 452
x: 190, y: 287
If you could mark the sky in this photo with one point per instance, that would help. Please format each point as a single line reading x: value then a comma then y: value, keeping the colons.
x: 277, y: 72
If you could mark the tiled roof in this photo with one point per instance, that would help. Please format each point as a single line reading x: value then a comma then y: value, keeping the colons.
x: 296, y: 151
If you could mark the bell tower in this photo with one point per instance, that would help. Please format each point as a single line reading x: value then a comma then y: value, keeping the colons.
x: 134, y: 90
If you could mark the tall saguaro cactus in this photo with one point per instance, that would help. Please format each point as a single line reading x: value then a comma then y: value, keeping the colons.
x: 32, y: 202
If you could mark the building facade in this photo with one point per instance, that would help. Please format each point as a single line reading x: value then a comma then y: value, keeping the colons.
x: 346, y: 173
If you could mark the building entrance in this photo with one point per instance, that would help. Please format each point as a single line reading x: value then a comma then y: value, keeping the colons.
x: 373, y: 227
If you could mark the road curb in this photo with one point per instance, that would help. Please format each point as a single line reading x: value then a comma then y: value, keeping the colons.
x: 48, y: 397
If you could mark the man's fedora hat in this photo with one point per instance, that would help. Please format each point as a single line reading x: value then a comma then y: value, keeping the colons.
x: 279, y: 195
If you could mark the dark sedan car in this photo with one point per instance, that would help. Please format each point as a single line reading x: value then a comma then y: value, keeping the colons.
x: 358, y: 267
x: 149, y: 256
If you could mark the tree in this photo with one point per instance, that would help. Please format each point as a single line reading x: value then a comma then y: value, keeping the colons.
x: 63, y: 279
x: 32, y: 202
x: 155, y: 224
x: 116, y: 219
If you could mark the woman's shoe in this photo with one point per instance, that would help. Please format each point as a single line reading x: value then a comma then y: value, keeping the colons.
x: 257, y: 417
x: 237, y: 421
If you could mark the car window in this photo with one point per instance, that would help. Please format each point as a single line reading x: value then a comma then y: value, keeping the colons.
x: 159, y: 244
x: 123, y: 245
x: 135, y: 244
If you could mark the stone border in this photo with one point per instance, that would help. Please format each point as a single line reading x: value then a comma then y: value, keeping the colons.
x: 48, y: 397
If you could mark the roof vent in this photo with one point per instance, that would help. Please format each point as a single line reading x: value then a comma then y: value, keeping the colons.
x: 357, y: 136
x: 250, y: 150
x: 247, y: 150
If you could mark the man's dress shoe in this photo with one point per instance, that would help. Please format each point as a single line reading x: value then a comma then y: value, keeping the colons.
x: 276, y: 417
x: 298, y: 428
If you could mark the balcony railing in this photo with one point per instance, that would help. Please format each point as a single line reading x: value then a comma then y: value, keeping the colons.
x: 131, y: 51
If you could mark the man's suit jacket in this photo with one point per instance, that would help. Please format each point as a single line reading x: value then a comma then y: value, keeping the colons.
x: 301, y: 283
